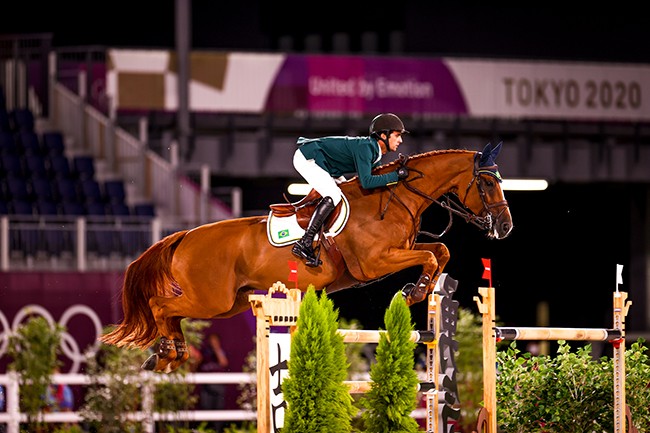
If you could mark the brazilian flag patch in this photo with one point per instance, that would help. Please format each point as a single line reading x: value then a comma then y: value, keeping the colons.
x: 283, y: 233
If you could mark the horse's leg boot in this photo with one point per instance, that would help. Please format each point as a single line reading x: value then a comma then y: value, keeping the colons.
x: 415, y: 293
x: 304, y: 247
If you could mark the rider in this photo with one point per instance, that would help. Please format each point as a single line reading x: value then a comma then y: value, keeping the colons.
x: 320, y: 160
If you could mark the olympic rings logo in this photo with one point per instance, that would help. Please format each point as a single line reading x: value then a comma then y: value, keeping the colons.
x: 69, y: 346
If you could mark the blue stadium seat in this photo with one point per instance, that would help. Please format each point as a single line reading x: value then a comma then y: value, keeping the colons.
x: 53, y: 143
x: 4, y: 120
x: 8, y: 143
x: 73, y: 208
x: 114, y: 191
x: 43, y: 189
x: 46, y: 207
x: 119, y: 209
x: 29, y: 143
x: 53, y: 239
x: 144, y: 210
x: 59, y: 166
x: 17, y: 189
x: 83, y: 167
x: 26, y: 240
x: 35, y: 166
x: 66, y: 190
x: 22, y: 119
x: 21, y: 207
x: 12, y: 165
x: 91, y: 191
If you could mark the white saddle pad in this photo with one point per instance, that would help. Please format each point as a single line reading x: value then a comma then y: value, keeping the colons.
x: 283, y: 231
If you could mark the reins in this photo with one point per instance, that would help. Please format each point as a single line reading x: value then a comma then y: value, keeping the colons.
x: 452, y: 206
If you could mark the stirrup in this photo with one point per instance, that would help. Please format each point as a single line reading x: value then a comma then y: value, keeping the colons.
x: 302, y: 251
x: 314, y: 261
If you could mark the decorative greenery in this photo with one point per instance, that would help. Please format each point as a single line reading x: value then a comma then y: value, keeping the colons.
x: 317, y: 400
x: 469, y: 367
x: 113, y: 393
x: 393, y: 394
x: 570, y: 392
x: 34, y: 349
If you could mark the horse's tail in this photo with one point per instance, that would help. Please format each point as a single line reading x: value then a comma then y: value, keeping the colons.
x: 149, y: 275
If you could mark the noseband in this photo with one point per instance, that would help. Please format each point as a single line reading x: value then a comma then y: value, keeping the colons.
x: 453, y: 207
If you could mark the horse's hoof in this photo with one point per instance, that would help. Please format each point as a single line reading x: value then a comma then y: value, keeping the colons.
x: 406, y: 292
x: 150, y: 363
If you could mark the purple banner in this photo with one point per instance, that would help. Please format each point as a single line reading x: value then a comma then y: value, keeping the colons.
x: 365, y: 85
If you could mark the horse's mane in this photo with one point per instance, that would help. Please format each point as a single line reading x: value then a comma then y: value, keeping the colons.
x: 390, y: 166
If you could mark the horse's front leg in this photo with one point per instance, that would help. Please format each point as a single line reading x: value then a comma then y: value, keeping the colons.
x: 415, y: 293
x: 395, y: 260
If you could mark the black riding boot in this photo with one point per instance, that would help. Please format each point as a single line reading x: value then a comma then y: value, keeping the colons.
x: 304, y: 248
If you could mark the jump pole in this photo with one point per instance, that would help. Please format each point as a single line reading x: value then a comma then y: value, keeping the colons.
x: 492, y: 334
x: 270, y: 311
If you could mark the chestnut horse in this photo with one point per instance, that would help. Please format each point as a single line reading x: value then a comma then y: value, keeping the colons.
x: 209, y: 271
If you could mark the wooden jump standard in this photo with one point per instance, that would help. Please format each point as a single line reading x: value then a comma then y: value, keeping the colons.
x: 487, y: 422
x: 273, y: 311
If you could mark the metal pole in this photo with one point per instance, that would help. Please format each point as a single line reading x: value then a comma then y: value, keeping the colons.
x: 183, y: 46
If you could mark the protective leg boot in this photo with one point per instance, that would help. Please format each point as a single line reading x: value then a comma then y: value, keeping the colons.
x: 304, y: 248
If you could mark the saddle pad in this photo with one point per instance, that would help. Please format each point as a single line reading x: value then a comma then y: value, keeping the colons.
x: 283, y: 231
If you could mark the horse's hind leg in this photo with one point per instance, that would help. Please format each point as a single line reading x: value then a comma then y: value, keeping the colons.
x: 172, y: 350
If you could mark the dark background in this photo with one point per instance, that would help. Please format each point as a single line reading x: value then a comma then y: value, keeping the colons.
x: 541, y: 31
x: 567, y: 240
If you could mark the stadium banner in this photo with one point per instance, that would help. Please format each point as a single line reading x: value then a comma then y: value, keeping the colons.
x: 348, y: 85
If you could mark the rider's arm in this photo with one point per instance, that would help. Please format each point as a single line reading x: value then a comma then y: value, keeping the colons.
x: 363, y: 161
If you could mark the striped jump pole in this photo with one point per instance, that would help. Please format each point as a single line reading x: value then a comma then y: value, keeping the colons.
x: 271, y: 311
x: 487, y: 422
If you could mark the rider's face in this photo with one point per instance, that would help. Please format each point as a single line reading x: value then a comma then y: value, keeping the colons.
x: 394, y: 140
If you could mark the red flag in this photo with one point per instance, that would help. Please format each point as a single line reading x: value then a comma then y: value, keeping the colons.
x: 487, y: 271
x: 293, y: 272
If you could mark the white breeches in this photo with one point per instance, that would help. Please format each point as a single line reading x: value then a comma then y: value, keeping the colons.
x: 316, y: 177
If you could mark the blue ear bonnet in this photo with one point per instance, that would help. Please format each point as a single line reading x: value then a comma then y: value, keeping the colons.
x: 487, y: 160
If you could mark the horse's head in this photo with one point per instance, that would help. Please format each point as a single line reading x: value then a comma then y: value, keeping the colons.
x: 484, y: 196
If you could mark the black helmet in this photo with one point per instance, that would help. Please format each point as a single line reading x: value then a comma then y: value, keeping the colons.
x: 387, y: 122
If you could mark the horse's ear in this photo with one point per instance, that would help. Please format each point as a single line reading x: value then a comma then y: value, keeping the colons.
x: 489, y: 154
x: 495, y: 150
x: 487, y: 149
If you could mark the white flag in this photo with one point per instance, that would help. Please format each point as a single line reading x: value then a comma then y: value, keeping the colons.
x: 619, y: 274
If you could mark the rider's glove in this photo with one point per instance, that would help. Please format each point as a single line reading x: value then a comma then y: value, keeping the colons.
x: 402, y: 173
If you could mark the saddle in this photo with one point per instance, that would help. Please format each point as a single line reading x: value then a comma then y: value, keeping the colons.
x: 303, y: 210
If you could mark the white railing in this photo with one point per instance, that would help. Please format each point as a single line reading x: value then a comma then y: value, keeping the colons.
x: 13, y: 417
x: 76, y: 243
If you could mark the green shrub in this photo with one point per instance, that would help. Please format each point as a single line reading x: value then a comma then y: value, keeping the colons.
x: 393, y: 393
x: 317, y: 399
x: 34, y: 349
x: 570, y: 392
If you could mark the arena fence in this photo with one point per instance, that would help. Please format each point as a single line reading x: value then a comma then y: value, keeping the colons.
x: 147, y: 416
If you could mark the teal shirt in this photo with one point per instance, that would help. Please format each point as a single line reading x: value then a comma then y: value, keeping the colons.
x: 339, y: 155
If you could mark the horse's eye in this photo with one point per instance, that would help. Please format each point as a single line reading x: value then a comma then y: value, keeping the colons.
x: 490, y: 183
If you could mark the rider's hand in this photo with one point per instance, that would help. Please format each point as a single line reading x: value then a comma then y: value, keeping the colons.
x: 402, y: 173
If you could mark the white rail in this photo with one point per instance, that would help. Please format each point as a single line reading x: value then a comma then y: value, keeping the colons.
x: 13, y: 417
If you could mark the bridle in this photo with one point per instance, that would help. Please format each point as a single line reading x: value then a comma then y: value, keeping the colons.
x: 453, y: 207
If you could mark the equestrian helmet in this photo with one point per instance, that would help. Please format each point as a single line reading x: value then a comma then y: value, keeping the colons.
x: 387, y: 122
